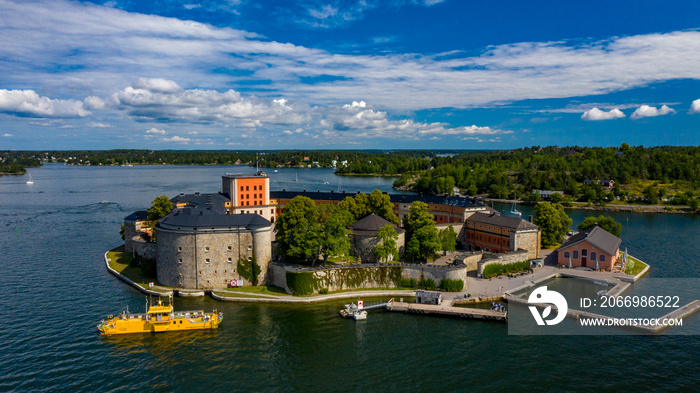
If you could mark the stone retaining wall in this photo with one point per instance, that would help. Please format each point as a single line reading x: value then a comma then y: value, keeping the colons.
x: 503, y: 259
x: 366, y: 275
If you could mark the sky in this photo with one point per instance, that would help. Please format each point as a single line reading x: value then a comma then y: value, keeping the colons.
x: 347, y: 74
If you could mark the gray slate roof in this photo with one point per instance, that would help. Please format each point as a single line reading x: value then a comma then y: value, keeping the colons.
x: 372, y: 224
x: 395, y: 198
x: 502, y: 221
x: 598, y: 237
x: 206, y: 219
x: 203, y: 201
x: 139, y: 215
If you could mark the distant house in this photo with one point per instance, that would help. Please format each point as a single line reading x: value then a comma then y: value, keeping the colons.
x: 594, y: 247
x: 425, y: 297
x: 547, y: 194
x: 608, y: 184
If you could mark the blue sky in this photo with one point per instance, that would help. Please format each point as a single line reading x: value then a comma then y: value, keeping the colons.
x: 393, y: 74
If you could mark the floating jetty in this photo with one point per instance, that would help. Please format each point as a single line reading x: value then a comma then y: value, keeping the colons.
x: 460, y: 312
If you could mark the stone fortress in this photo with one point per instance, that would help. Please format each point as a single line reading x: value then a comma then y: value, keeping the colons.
x: 202, y: 242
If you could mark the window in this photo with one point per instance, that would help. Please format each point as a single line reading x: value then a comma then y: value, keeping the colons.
x: 584, y: 253
x: 229, y: 248
x: 230, y: 260
x: 179, y: 249
x: 601, y: 258
x: 566, y: 254
x: 180, y: 261
x: 250, y: 247
x: 206, y: 249
x: 241, y: 188
x: 246, y: 188
x: 575, y: 254
x: 208, y: 260
x: 255, y: 188
x: 593, y: 256
x: 250, y: 258
x: 247, y: 203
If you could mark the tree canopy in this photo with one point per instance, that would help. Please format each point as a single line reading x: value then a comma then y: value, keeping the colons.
x: 361, y: 205
x: 553, y: 222
x: 448, y: 239
x: 298, y: 230
x: 421, y: 232
x: 160, y: 207
x: 386, y: 244
x: 607, y: 223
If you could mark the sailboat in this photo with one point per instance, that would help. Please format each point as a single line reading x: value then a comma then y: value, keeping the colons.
x: 514, y: 210
x: 30, y: 181
x: 296, y: 177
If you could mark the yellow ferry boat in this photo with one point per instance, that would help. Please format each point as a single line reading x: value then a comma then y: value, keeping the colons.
x: 159, y: 317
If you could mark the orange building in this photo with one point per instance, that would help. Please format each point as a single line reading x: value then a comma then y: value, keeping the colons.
x: 249, y: 194
x: 594, y: 248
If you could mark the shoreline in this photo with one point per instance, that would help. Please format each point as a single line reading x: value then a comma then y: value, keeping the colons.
x: 666, y: 209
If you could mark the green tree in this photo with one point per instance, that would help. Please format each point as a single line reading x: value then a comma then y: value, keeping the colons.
x: 553, y: 222
x: 556, y: 198
x: 448, y: 239
x: 694, y: 204
x: 421, y: 230
x: 380, y: 204
x: 298, y: 230
x: 652, y: 195
x: 160, y: 207
x: 333, y: 240
x: 607, y: 223
x: 386, y: 243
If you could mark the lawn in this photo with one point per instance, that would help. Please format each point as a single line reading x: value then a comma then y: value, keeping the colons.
x: 634, y: 266
x: 120, y: 262
x: 262, y: 290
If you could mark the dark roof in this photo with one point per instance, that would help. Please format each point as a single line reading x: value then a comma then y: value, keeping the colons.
x: 372, y: 224
x: 502, y: 221
x: 139, y: 215
x: 203, y: 201
x: 598, y: 237
x: 204, y: 219
x: 395, y: 198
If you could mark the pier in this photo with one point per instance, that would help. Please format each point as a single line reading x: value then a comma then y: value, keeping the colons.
x: 460, y: 312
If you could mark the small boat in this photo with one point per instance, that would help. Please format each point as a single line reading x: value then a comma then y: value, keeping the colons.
x: 351, y: 311
x: 31, y: 180
x: 275, y: 171
x: 159, y: 317
x: 601, y: 293
x: 325, y: 182
x: 514, y: 210
x: 105, y: 201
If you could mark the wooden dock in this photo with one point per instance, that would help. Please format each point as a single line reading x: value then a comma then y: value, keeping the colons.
x: 460, y: 312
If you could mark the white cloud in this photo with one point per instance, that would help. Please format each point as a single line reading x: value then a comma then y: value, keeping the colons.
x: 7, y: 135
x: 98, y: 125
x: 651, y: 111
x: 695, y: 107
x: 29, y: 103
x: 287, y: 132
x: 177, y: 139
x: 157, y: 85
x: 191, y: 6
x: 155, y: 131
x: 164, y: 100
x: 597, y: 114
x: 94, y: 103
x: 112, y: 47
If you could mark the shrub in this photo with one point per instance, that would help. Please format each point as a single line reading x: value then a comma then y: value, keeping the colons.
x: 301, y: 283
x: 497, y: 269
x: 408, y: 282
x: 448, y: 285
x: 427, y: 283
x: 148, y: 267
x: 323, y: 291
